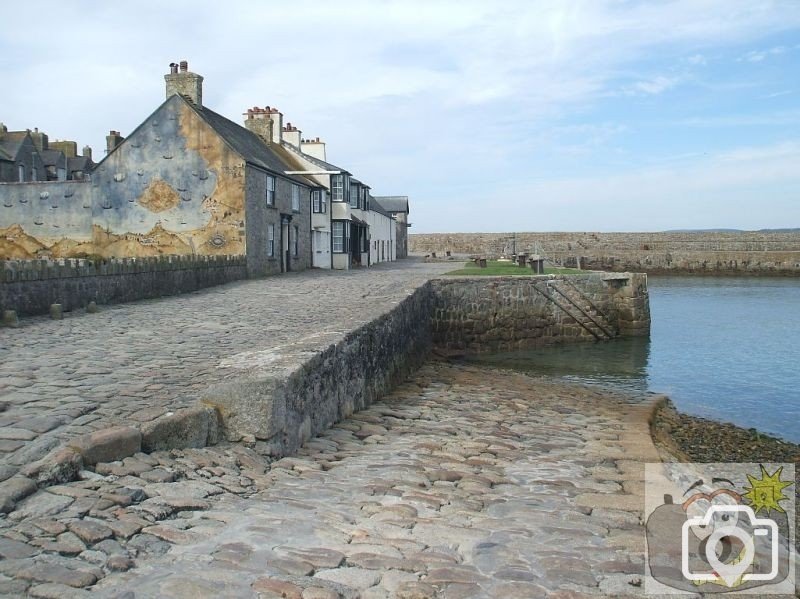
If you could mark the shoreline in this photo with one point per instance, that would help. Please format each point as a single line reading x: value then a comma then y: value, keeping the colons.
x: 698, y: 439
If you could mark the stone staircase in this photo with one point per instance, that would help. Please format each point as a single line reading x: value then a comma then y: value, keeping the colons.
x: 573, y: 302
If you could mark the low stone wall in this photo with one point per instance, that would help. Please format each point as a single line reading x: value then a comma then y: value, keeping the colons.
x: 30, y: 287
x: 484, y: 314
x: 722, y: 253
x: 280, y: 400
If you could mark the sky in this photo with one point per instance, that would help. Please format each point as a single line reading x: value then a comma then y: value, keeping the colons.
x: 559, y: 115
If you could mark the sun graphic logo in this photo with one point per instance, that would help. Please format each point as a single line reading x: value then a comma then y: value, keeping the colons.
x: 766, y: 493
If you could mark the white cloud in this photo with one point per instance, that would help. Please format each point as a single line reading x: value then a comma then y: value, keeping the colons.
x: 760, y: 55
x: 722, y: 190
x: 654, y: 86
x: 415, y: 96
x: 697, y: 59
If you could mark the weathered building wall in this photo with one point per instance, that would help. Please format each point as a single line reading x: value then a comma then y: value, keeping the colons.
x: 702, y: 253
x: 172, y: 187
x: 484, y: 314
x: 30, y: 287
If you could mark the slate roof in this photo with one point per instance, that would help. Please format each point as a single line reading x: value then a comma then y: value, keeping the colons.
x: 79, y: 163
x: 376, y: 206
x: 11, y: 143
x: 327, y: 166
x: 51, y: 157
x: 393, y: 203
x: 247, y: 144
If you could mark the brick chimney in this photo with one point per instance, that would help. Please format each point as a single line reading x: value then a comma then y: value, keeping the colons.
x: 185, y: 83
x: 3, y: 130
x: 113, y: 139
x: 292, y: 135
x: 87, y: 152
x: 313, y: 147
x: 258, y: 122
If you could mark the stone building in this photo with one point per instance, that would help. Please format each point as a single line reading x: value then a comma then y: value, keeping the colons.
x: 189, y: 181
x: 186, y: 181
x: 27, y: 156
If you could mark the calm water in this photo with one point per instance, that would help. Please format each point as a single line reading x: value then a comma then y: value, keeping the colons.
x: 724, y: 348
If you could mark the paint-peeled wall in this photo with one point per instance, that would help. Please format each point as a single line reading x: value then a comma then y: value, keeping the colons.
x: 172, y: 187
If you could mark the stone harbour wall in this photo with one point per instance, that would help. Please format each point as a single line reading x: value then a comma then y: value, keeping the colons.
x: 279, y: 400
x: 485, y: 314
x: 710, y: 253
x: 30, y: 286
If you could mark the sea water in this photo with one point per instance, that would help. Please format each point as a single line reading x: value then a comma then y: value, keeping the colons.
x: 721, y: 347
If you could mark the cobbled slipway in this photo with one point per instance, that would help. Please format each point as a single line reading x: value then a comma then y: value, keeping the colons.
x: 464, y: 482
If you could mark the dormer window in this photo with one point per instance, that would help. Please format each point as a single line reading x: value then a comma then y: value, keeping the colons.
x: 355, y: 192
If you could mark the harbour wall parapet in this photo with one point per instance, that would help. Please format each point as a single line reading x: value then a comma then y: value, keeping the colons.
x: 710, y: 253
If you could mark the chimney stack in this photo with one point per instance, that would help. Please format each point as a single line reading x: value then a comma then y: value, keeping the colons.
x: 184, y: 83
x: 292, y: 134
x: 113, y: 139
x: 314, y: 147
x: 258, y: 122
x: 39, y: 139
x: 87, y: 152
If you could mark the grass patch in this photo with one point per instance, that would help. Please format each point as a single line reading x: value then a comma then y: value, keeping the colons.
x: 500, y: 269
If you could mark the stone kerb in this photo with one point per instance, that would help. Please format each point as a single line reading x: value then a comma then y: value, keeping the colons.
x: 193, y: 427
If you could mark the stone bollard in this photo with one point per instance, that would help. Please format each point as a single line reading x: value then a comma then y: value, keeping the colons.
x: 91, y: 308
x: 10, y: 319
x: 56, y: 311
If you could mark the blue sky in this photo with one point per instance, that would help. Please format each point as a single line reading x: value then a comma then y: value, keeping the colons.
x: 534, y: 115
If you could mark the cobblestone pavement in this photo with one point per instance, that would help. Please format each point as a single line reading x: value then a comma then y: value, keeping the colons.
x: 464, y: 482
x: 131, y: 363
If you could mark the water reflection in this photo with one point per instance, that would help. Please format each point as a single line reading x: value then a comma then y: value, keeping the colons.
x: 621, y: 364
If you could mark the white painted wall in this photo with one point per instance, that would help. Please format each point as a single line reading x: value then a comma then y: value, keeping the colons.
x: 382, y: 233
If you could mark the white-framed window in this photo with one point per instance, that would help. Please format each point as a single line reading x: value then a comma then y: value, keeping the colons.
x: 296, y: 246
x: 270, y: 190
x: 295, y: 197
x: 271, y: 240
x: 319, y: 201
x: 337, y: 188
x: 338, y: 236
x: 355, y: 192
x: 341, y: 236
x: 21, y: 173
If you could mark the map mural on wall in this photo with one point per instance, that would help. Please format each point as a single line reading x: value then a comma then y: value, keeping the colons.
x: 172, y: 187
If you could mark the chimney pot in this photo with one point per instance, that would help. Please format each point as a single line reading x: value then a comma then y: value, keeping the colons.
x: 173, y: 67
x: 184, y: 66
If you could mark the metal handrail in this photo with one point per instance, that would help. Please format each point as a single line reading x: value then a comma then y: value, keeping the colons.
x: 584, y: 312
x: 570, y: 314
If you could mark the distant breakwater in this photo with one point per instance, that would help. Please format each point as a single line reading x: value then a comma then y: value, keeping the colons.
x: 707, y: 253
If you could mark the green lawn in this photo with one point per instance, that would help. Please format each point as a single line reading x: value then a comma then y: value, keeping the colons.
x: 495, y: 268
